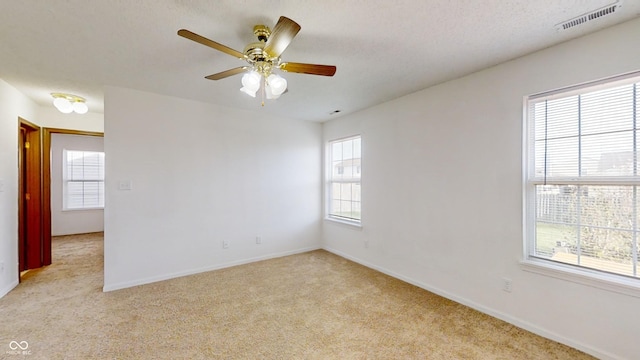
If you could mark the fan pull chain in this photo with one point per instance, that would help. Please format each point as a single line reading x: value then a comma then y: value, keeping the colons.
x: 264, y: 84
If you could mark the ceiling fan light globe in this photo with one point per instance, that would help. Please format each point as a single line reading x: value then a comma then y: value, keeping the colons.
x: 277, y: 83
x: 268, y: 91
x: 80, y: 107
x: 63, y: 105
x: 251, y: 80
x: 248, y: 91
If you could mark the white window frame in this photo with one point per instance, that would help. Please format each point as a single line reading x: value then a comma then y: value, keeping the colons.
x: 575, y: 273
x: 330, y: 181
x: 67, y: 178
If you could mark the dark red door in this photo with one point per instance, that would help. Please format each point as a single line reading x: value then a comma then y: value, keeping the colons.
x: 30, y: 206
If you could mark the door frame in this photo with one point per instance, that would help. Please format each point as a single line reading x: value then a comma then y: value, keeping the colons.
x: 46, y: 170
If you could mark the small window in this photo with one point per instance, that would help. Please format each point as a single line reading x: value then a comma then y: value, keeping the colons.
x: 344, y: 180
x: 583, y: 178
x: 83, y: 180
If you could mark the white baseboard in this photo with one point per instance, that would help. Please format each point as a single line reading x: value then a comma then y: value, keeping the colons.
x: 492, y: 312
x: 6, y: 290
x: 149, y: 280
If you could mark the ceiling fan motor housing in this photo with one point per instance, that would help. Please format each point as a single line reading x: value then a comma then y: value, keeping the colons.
x: 255, y: 55
x: 254, y: 52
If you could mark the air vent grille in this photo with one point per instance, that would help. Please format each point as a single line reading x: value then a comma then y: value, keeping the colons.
x: 609, y: 9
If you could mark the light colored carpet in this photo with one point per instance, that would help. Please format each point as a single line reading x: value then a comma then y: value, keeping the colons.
x: 308, y: 306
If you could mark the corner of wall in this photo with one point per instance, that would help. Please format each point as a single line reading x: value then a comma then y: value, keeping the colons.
x: 13, y: 105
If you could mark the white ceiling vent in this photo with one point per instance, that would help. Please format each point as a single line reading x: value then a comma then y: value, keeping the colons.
x: 592, y: 15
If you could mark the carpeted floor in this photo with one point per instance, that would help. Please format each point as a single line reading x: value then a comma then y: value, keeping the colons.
x: 308, y: 306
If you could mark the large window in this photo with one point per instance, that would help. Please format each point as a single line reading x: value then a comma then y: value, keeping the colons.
x: 344, y: 180
x: 583, y: 178
x: 83, y: 180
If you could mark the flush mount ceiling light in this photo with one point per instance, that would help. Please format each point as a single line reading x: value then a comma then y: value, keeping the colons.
x: 67, y: 103
x: 263, y: 58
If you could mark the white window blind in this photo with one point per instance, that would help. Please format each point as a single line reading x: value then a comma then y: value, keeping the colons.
x: 344, y: 201
x: 83, y: 180
x: 583, y: 177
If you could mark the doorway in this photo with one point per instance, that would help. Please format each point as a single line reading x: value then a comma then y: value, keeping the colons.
x: 34, y: 203
x: 30, y: 235
x: 52, y: 197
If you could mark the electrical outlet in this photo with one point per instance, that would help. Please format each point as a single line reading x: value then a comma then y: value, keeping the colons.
x: 258, y: 240
x: 225, y: 244
x: 507, y: 285
x: 366, y: 244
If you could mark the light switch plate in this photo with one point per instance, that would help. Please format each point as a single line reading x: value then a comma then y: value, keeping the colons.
x: 125, y: 185
x: 1, y: 185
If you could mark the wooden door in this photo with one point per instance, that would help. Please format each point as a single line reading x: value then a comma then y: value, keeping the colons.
x: 30, y: 240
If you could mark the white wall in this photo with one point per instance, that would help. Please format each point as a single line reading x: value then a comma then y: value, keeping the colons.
x: 49, y: 116
x: 453, y: 223
x: 201, y: 174
x: 12, y: 105
x: 73, y: 221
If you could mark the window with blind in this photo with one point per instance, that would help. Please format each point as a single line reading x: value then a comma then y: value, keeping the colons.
x: 344, y: 180
x: 583, y: 178
x: 83, y: 180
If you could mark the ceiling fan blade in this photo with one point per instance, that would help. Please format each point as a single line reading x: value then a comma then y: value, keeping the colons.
x: 210, y: 43
x: 312, y: 69
x: 281, y: 36
x: 227, y: 73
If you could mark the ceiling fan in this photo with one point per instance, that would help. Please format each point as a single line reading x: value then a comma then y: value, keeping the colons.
x: 263, y: 57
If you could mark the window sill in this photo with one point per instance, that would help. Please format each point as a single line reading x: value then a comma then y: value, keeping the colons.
x: 83, y: 209
x: 595, y: 279
x: 353, y: 224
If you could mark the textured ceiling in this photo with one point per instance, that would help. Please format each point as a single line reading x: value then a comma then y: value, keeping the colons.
x: 382, y: 49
